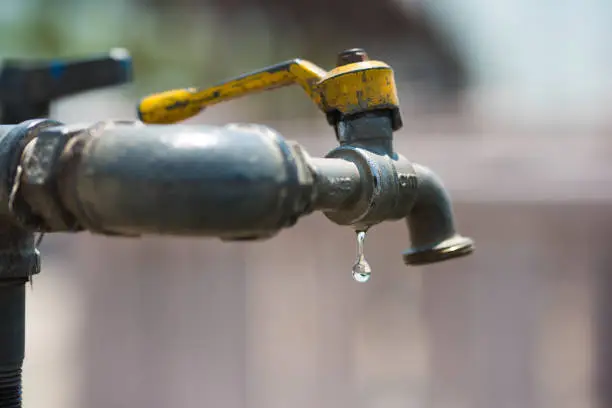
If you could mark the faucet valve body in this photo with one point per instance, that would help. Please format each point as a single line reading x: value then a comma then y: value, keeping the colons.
x: 372, y: 186
x: 387, y: 187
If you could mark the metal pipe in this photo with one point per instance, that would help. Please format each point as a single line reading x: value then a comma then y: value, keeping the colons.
x: 233, y: 182
x: 337, y: 183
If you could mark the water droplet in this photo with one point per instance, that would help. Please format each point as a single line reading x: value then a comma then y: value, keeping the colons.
x: 361, y: 269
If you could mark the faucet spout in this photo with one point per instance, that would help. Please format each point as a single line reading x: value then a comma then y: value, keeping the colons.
x: 431, y: 223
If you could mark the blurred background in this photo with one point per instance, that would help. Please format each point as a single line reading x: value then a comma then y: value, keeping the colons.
x: 508, y: 101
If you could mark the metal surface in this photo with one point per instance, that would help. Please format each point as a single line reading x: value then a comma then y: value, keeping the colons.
x: 392, y: 188
x: 351, y: 56
x: 233, y: 182
x: 337, y: 181
x: 431, y: 225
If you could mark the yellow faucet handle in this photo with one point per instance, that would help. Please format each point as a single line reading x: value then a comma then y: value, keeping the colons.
x: 355, y: 86
x: 177, y: 105
x: 170, y: 106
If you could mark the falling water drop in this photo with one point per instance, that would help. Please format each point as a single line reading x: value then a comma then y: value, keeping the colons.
x: 361, y: 269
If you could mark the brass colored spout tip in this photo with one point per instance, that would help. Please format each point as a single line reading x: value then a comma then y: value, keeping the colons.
x: 454, y: 247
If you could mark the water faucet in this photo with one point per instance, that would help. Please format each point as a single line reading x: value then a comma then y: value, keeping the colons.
x: 364, y: 181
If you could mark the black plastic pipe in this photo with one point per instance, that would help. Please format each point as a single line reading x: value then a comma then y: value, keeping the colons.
x: 19, y: 260
x: 12, y: 340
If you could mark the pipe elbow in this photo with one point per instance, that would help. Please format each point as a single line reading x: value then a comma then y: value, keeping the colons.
x: 431, y: 223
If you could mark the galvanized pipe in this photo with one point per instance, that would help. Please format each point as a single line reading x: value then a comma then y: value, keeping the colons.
x: 337, y: 183
x: 233, y: 182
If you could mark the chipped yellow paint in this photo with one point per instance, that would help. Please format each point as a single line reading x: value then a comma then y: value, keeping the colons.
x: 358, y: 87
x: 348, y: 89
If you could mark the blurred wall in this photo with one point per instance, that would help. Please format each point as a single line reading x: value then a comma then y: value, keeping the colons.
x: 158, y: 322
